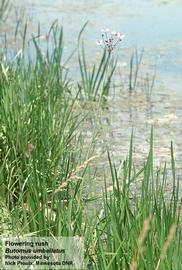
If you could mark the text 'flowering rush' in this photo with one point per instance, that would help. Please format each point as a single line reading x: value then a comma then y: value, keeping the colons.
x: 110, y: 39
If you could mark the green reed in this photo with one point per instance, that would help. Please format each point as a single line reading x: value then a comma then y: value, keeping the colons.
x: 148, y: 85
x: 135, y: 64
x: 95, y: 81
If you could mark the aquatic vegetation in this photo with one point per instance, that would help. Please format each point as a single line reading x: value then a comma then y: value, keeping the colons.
x: 135, y: 64
x: 139, y: 79
x: 47, y: 172
x: 4, y: 8
x: 110, y: 40
x: 138, y: 228
x: 126, y: 228
x: 96, y: 81
x: 148, y: 85
x: 95, y: 84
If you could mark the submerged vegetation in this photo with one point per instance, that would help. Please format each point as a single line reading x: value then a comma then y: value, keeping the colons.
x: 47, y: 173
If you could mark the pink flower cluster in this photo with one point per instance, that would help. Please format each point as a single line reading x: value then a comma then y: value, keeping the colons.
x: 110, y: 39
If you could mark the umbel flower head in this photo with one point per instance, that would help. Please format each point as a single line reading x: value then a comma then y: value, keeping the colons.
x: 110, y: 39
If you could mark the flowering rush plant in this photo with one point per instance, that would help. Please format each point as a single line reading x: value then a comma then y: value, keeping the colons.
x: 110, y: 39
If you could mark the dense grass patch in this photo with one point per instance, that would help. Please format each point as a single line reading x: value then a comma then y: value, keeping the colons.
x: 139, y: 229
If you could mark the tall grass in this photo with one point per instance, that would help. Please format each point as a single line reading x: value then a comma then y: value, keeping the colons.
x: 139, y: 229
x: 38, y: 135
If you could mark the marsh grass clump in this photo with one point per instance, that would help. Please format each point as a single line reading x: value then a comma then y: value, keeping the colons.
x: 39, y: 140
x: 95, y: 82
x: 139, y: 229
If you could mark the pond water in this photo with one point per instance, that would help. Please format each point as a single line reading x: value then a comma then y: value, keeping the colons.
x: 152, y: 25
